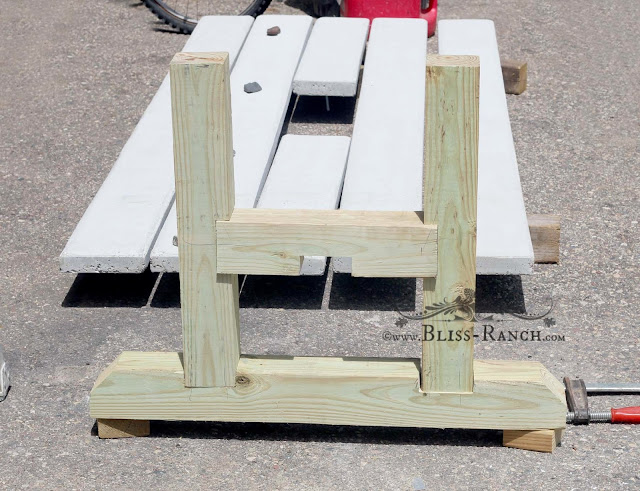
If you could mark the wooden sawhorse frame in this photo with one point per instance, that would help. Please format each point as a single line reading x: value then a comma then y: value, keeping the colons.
x: 212, y: 381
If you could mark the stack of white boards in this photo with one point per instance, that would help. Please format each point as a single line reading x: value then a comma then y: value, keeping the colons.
x: 121, y: 224
x: 123, y: 229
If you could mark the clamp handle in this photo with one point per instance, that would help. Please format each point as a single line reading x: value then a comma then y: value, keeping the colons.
x: 626, y: 415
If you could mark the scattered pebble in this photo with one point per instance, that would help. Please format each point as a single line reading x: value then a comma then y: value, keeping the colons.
x: 418, y: 484
x: 273, y: 31
x: 252, y: 87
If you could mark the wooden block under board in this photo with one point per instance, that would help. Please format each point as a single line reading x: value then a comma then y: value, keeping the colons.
x: 545, y: 237
x: 536, y: 440
x: 123, y: 428
x: 514, y: 74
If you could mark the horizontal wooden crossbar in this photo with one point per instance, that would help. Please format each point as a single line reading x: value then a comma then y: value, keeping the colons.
x: 273, y: 242
x: 334, y: 391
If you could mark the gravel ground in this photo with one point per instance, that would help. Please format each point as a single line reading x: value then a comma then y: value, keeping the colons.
x: 75, y: 78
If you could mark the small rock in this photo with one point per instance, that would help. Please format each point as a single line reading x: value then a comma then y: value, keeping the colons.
x: 175, y: 240
x: 273, y: 31
x: 418, y: 484
x: 252, y: 87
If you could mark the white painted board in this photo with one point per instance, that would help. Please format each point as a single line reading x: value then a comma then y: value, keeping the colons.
x: 330, y: 65
x: 120, y: 225
x: 257, y: 118
x: 385, y: 166
x: 4, y: 377
x: 504, y: 242
x: 306, y: 174
x: 164, y: 255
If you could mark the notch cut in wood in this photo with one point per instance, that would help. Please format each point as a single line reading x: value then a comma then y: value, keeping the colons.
x: 381, y: 244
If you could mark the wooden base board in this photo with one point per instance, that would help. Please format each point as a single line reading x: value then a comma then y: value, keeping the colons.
x: 537, y: 440
x: 123, y: 428
x: 334, y: 391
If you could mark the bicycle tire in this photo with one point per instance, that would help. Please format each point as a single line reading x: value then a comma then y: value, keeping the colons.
x: 185, y: 24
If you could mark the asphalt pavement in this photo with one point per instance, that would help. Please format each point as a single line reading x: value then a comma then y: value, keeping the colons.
x: 75, y: 77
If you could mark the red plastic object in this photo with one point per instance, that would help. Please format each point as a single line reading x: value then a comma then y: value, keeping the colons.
x: 370, y: 9
x: 626, y: 415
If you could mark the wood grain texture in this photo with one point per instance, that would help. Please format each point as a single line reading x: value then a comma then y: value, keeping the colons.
x: 514, y: 74
x: 333, y: 391
x: 450, y: 201
x: 123, y: 428
x: 381, y: 244
x: 545, y: 237
x: 536, y: 440
x: 203, y: 155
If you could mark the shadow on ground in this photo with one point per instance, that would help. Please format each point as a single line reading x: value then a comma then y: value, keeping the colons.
x: 110, y: 290
x: 386, y: 294
x: 313, y: 109
x: 495, y: 294
x: 322, y: 433
x: 267, y: 292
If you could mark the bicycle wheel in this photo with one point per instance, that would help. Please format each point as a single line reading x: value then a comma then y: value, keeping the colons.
x: 184, y: 14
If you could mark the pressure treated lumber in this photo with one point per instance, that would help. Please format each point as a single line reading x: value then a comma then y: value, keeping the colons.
x: 203, y: 154
x: 257, y: 118
x: 536, y: 440
x: 545, y: 237
x: 450, y: 200
x: 384, y: 170
x: 381, y: 244
x: 118, y: 229
x: 514, y: 74
x: 504, y: 244
x: 123, y: 428
x: 333, y: 391
x: 307, y: 174
x: 330, y: 65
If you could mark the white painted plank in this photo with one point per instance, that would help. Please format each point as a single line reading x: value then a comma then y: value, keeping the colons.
x: 257, y: 118
x: 4, y: 377
x: 504, y: 243
x: 120, y: 225
x: 384, y: 170
x: 164, y: 255
x: 306, y: 174
x: 331, y: 61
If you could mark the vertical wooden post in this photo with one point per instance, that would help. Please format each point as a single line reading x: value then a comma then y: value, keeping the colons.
x: 450, y: 201
x: 203, y: 153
